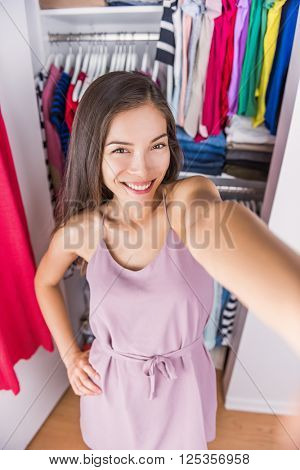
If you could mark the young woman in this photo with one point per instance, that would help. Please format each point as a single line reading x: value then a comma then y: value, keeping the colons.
x: 151, y: 245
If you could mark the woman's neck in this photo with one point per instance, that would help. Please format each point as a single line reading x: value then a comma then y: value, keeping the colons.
x: 132, y: 212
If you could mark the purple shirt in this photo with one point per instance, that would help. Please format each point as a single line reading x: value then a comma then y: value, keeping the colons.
x: 240, y: 38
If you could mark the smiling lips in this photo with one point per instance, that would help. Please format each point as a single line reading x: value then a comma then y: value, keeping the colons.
x: 138, y: 186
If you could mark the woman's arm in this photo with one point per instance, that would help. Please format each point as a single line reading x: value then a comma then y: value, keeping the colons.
x: 51, y: 269
x: 238, y: 249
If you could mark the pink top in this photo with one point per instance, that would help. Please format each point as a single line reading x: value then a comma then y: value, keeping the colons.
x: 55, y: 154
x: 219, y: 69
x: 157, y: 378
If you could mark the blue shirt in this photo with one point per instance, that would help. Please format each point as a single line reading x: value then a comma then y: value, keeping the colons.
x: 280, y: 64
x: 57, y: 112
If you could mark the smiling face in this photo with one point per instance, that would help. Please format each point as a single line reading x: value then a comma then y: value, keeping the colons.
x: 136, y: 152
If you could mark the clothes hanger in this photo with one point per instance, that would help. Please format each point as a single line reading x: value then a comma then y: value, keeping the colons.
x: 145, y: 59
x: 99, y: 60
x: 58, y: 60
x: 118, y: 54
x: 155, y: 70
x: 49, y: 62
x: 123, y: 58
x: 69, y: 61
x: 134, y: 58
x: 90, y: 73
x: 122, y: 54
x: 77, y: 66
x: 76, y: 91
x: 104, y: 60
x: 113, y: 59
x: 128, y: 58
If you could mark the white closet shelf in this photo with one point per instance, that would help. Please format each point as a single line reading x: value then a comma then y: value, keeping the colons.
x: 93, y: 16
x: 101, y: 10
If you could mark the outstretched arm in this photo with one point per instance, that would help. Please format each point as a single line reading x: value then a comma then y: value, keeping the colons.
x: 238, y: 249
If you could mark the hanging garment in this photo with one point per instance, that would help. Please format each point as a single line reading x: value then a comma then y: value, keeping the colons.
x: 247, y: 100
x: 270, y: 42
x: 177, y: 22
x: 197, y: 14
x: 55, y: 155
x: 193, y: 118
x: 157, y: 377
x: 266, y: 6
x: 40, y: 80
x: 165, y: 47
x: 240, y: 38
x: 280, y: 64
x: 186, y: 31
x: 218, y: 72
x: 227, y: 69
x: 225, y: 297
x: 227, y: 319
x: 211, y: 329
x: 71, y: 105
x: 57, y: 113
x: 23, y: 329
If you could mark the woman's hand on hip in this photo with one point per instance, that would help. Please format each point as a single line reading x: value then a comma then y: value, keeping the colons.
x: 81, y: 373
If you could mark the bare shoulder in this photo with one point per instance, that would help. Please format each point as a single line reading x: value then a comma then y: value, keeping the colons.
x: 190, y: 199
x: 72, y: 236
x: 72, y: 240
x: 191, y: 188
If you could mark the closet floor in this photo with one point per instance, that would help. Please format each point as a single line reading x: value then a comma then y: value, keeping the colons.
x: 235, y: 429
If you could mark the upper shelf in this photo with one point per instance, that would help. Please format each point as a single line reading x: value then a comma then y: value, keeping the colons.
x: 100, y: 10
x: 134, y: 18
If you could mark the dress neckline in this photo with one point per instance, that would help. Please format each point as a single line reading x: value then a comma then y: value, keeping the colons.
x: 151, y: 264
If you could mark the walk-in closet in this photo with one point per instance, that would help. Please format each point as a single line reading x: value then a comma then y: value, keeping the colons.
x: 260, y: 171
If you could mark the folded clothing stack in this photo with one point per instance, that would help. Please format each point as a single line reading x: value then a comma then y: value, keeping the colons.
x: 240, y: 131
x: 207, y: 156
x: 249, y: 149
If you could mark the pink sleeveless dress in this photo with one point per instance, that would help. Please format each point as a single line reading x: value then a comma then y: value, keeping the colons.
x: 157, y: 378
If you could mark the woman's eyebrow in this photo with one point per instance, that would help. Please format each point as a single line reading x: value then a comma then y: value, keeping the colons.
x: 128, y: 143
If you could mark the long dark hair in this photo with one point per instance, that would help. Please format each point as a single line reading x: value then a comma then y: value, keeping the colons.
x: 82, y: 185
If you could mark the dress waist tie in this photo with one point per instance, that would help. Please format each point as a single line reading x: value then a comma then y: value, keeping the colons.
x: 162, y: 362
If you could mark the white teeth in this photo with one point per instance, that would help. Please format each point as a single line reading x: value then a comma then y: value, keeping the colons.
x: 139, y: 188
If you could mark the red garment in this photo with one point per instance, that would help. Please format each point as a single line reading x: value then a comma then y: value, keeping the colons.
x: 23, y: 328
x: 227, y: 66
x: 71, y: 105
x: 218, y: 70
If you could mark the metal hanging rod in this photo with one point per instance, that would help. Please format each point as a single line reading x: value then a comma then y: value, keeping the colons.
x: 91, y: 37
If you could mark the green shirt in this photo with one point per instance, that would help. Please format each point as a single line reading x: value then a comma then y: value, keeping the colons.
x: 249, y: 80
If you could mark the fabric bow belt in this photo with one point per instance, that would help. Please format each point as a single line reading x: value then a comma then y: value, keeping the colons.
x: 161, y: 362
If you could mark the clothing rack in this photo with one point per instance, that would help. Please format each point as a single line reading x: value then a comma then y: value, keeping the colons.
x: 99, y: 37
x: 232, y: 187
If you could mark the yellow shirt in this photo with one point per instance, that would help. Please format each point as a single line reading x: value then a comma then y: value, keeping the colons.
x: 270, y: 41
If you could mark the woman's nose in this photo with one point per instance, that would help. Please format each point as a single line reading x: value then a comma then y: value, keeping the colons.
x: 138, y: 163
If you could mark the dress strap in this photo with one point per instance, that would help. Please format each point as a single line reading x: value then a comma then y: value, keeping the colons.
x: 165, y: 206
x: 102, y: 219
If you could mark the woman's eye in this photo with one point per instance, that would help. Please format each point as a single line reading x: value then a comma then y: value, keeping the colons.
x: 163, y: 145
x: 116, y: 150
